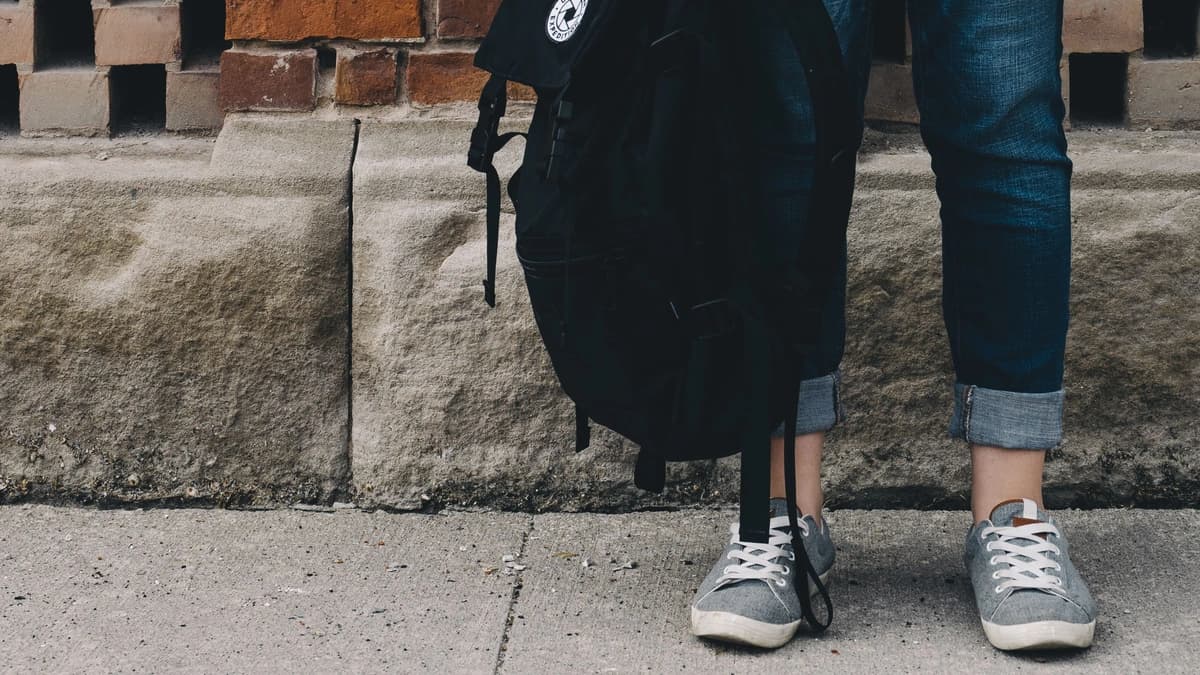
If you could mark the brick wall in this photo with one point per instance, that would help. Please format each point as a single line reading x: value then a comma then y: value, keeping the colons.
x: 1127, y: 62
x: 105, y: 65
x: 98, y: 66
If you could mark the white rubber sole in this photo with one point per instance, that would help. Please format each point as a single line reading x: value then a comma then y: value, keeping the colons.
x: 728, y: 627
x: 1040, y: 635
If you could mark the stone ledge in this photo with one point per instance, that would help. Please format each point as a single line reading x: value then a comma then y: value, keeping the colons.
x: 172, y: 329
x: 163, y: 311
x: 457, y: 402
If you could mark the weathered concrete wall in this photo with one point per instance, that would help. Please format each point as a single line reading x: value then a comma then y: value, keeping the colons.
x: 457, y: 402
x: 175, y: 329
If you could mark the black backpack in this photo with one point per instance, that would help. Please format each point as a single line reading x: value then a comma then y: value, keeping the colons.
x: 672, y: 314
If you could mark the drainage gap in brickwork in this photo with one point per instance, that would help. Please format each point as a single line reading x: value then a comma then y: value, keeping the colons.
x: 326, y: 57
x: 139, y: 98
x: 203, y: 33
x: 65, y: 34
x: 326, y: 73
x: 889, y: 34
x: 10, y: 116
x: 1171, y: 27
x: 1098, y: 84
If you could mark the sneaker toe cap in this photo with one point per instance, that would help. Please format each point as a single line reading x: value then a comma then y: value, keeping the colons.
x: 752, y: 599
x: 1028, y: 606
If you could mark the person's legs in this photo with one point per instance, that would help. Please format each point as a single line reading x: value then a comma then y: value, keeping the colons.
x: 1000, y: 474
x: 989, y: 91
x: 810, y: 496
x: 747, y: 596
x: 787, y: 175
x: 819, y: 411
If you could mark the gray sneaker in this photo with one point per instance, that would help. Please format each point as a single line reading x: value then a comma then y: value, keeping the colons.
x: 749, y: 596
x: 1028, y: 593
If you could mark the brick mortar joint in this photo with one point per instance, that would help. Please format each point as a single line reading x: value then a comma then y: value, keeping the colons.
x: 316, y: 42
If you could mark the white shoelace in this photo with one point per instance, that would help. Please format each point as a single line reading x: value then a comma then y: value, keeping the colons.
x: 759, y: 561
x: 1024, y: 552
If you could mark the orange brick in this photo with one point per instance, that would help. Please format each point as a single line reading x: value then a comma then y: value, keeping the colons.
x: 446, y: 77
x: 1092, y: 26
x: 367, y: 77
x: 16, y: 34
x: 291, y: 20
x: 269, y: 79
x: 134, y: 34
x: 443, y: 77
x: 377, y: 20
x: 465, y: 18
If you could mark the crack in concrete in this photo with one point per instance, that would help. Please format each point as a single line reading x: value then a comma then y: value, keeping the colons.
x: 510, y: 616
x: 348, y: 484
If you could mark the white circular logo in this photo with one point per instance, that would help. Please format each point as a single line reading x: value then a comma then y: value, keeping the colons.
x: 565, y: 17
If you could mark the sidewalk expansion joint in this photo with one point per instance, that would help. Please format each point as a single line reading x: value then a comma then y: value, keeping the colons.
x: 518, y: 583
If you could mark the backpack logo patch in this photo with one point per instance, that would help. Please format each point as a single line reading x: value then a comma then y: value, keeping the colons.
x: 565, y: 17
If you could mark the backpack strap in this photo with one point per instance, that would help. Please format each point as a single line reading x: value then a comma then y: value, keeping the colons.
x: 650, y: 474
x: 754, y: 521
x: 583, y: 430
x: 486, y: 141
x: 837, y: 142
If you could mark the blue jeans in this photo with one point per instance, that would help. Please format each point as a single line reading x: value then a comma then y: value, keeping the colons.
x: 986, y: 77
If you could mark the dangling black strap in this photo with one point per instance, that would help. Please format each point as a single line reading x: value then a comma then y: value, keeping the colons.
x: 806, y: 566
x: 583, y: 430
x: 486, y: 141
x: 650, y: 474
x: 493, y: 234
x: 755, y: 519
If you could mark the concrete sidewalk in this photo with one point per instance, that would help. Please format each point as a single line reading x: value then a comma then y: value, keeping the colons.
x: 169, y: 590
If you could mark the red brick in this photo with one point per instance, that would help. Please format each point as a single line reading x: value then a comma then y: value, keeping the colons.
x: 269, y: 79
x: 1110, y: 26
x: 446, y: 77
x: 367, y: 77
x: 133, y: 34
x: 465, y: 18
x: 16, y: 34
x: 890, y: 95
x: 292, y: 20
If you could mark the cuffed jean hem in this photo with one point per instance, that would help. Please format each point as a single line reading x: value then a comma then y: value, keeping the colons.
x: 820, y: 407
x: 1007, y: 419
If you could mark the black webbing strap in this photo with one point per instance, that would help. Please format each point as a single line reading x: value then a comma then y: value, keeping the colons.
x: 650, y: 474
x: 837, y: 141
x: 583, y: 430
x: 486, y: 141
x: 755, y: 513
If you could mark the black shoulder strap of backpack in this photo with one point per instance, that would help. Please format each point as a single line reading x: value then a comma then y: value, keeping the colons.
x: 486, y: 141
x: 837, y: 141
